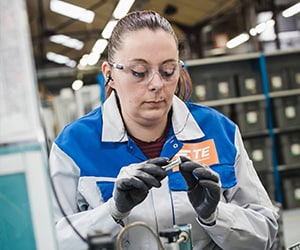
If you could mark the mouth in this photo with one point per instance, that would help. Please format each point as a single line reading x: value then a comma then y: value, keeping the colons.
x: 154, y: 104
x: 155, y: 101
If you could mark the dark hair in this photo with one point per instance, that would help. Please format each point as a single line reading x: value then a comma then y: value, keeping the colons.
x: 152, y: 20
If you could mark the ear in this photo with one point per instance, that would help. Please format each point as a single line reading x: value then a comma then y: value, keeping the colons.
x: 106, y: 70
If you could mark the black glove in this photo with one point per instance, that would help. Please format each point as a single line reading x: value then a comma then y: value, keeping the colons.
x: 203, y: 188
x: 133, y: 184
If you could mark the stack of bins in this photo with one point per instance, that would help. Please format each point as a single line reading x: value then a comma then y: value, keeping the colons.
x: 251, y: 117
x: 213, y: 87
x: 233, y: 85
x: 287, y: 120
x: 260, y: 152
x: 290, y: 158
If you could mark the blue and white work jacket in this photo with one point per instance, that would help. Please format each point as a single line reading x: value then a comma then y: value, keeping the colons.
x: 88, y: 154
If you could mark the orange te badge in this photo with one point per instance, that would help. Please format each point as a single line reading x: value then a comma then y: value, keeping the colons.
x: 204, y: 152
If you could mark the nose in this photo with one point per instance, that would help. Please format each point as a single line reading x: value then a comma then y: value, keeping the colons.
x: 155, y: 81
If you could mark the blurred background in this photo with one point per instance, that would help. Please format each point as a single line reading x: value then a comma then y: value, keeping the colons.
x: 69, y: 37
x: 243, y: 57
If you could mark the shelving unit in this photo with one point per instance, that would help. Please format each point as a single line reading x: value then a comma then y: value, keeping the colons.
x: 261, y: 93
x: 284, y: 70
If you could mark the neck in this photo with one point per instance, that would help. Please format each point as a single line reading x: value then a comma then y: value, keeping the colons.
x: 147, y: 133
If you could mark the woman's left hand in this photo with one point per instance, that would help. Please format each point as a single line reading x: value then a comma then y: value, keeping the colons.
x: 204, y: 188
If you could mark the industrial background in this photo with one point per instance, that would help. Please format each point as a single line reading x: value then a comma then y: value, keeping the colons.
x: 243, y: 57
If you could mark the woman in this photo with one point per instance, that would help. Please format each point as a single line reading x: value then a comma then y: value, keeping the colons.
x: 107, y: 167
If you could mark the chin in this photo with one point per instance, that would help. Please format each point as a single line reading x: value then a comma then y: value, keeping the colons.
x: 154, y: 114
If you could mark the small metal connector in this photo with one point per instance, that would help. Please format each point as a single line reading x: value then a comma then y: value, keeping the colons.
x: 173, y: 163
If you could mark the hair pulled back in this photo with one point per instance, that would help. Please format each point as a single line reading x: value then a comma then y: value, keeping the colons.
x: 151, y: 20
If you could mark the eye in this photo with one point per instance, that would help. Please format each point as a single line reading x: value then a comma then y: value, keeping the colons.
x: 139, y: 75
x: 139, y: 71
x: 167, y: 70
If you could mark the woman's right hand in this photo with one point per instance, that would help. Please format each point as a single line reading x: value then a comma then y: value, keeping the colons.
x: 133, y: 184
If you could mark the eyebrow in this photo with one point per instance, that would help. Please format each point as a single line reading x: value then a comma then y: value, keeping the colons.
x: 140, y: 60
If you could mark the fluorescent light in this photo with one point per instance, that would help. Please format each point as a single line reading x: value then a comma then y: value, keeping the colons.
x: 122, y: 8
x: 238, y: 40
x: 77, y: 84
x: 57, y: 58
x: 72, y: 11
x: 93, y: 58
x: 106, y: 33
x: 67, y: 41
x: 270, y: 22
x: 60, y: 59
x: 253, y: 32
x: 262, y: 27
x: 258, y: 29
x: 291, y: 11
x: 99, y: 46
x: 71, y: 63
x: 89, y: 60
x: 84, y: 60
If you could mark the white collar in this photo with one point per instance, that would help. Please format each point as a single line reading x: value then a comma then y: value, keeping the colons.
x: 184, y: 125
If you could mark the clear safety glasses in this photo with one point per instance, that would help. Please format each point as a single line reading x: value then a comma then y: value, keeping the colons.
x: 142, y: 73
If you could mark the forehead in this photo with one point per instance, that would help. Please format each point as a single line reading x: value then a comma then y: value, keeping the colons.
x: 149, y: 45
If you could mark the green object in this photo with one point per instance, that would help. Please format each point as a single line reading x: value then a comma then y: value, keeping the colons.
x: 16, y: 230
x: 187, y: 244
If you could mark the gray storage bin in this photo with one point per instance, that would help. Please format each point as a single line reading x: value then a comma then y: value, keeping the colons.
x: 294, y: 77
x: 251, y: 116
x: 224, y: 87
x: 291, y: 188
x: 203, y: 89
x: 278, y: 80
x: 290, y: 147
x: 260, y: 152
x: 249, y: 85
x: 287, y: 111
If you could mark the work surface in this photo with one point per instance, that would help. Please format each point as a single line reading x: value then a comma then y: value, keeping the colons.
x: 291, y: 226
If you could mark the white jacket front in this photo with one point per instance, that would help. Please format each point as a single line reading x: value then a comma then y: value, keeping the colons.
x: 88, y: 154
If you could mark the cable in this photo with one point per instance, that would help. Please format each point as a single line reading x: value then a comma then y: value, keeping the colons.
x: 134, y: 224
x: 61, y: 208
x: 53, y: 186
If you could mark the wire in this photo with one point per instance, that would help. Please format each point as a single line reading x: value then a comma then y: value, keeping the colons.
x: 135, y: 224
x: 61, y: 208
x: 53, y: 186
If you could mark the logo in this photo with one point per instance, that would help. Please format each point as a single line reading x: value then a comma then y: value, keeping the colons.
x: 204, y: 152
